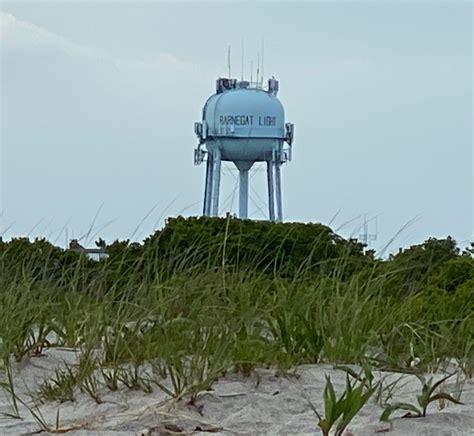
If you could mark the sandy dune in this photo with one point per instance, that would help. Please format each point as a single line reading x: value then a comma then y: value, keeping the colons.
x: 264, y: 404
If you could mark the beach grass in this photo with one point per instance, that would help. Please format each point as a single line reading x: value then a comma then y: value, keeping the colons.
x: 179, y: 319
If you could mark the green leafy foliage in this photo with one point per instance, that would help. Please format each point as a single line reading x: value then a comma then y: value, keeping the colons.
x: 428, y: 395
x: 454, y: 273
x: 339, y: 412
x: 204, y: 296
x: 414, y: 267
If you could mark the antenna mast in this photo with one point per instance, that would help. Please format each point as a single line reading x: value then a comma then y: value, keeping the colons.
x: 242, y: 64
x: 228, y: 62
x: 263, y: 50
x: 258, y: 69
x: 366, y: 237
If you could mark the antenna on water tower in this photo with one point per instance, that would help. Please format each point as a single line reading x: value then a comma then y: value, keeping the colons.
x: 263, y: 50
x: 228, y: 62
x: 242, y: 64
x: 258, y: 69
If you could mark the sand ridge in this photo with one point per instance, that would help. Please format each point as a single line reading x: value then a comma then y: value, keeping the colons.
x: 266, y: 403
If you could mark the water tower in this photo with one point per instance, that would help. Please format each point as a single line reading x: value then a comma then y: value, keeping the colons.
x: 243, y: 123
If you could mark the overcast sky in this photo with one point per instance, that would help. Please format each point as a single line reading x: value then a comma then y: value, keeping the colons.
x: 98, y: 102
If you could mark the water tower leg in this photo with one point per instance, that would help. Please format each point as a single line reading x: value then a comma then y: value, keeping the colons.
x: 271, y: 191
x: 244, y: 194
x: 208, y: 185
x: 216, y: 181
x: 278, y: 192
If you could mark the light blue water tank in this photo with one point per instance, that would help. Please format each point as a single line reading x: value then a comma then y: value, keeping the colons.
x: 246, y: 123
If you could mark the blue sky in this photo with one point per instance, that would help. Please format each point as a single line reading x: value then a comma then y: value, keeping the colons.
x: 99, y: 100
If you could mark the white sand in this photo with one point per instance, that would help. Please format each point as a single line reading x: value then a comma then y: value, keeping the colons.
x: 264, y: 404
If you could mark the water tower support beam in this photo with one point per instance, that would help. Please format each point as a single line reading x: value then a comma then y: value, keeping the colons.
x: 244, y: 194
x: 278, y: 191
x: 208, y: 185
x: 216, y: 181
x: 271, y: 191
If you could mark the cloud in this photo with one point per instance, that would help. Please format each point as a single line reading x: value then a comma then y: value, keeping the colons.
x: 18, y: 36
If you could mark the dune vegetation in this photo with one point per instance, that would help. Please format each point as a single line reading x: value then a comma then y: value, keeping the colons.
x: 204, y: 297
